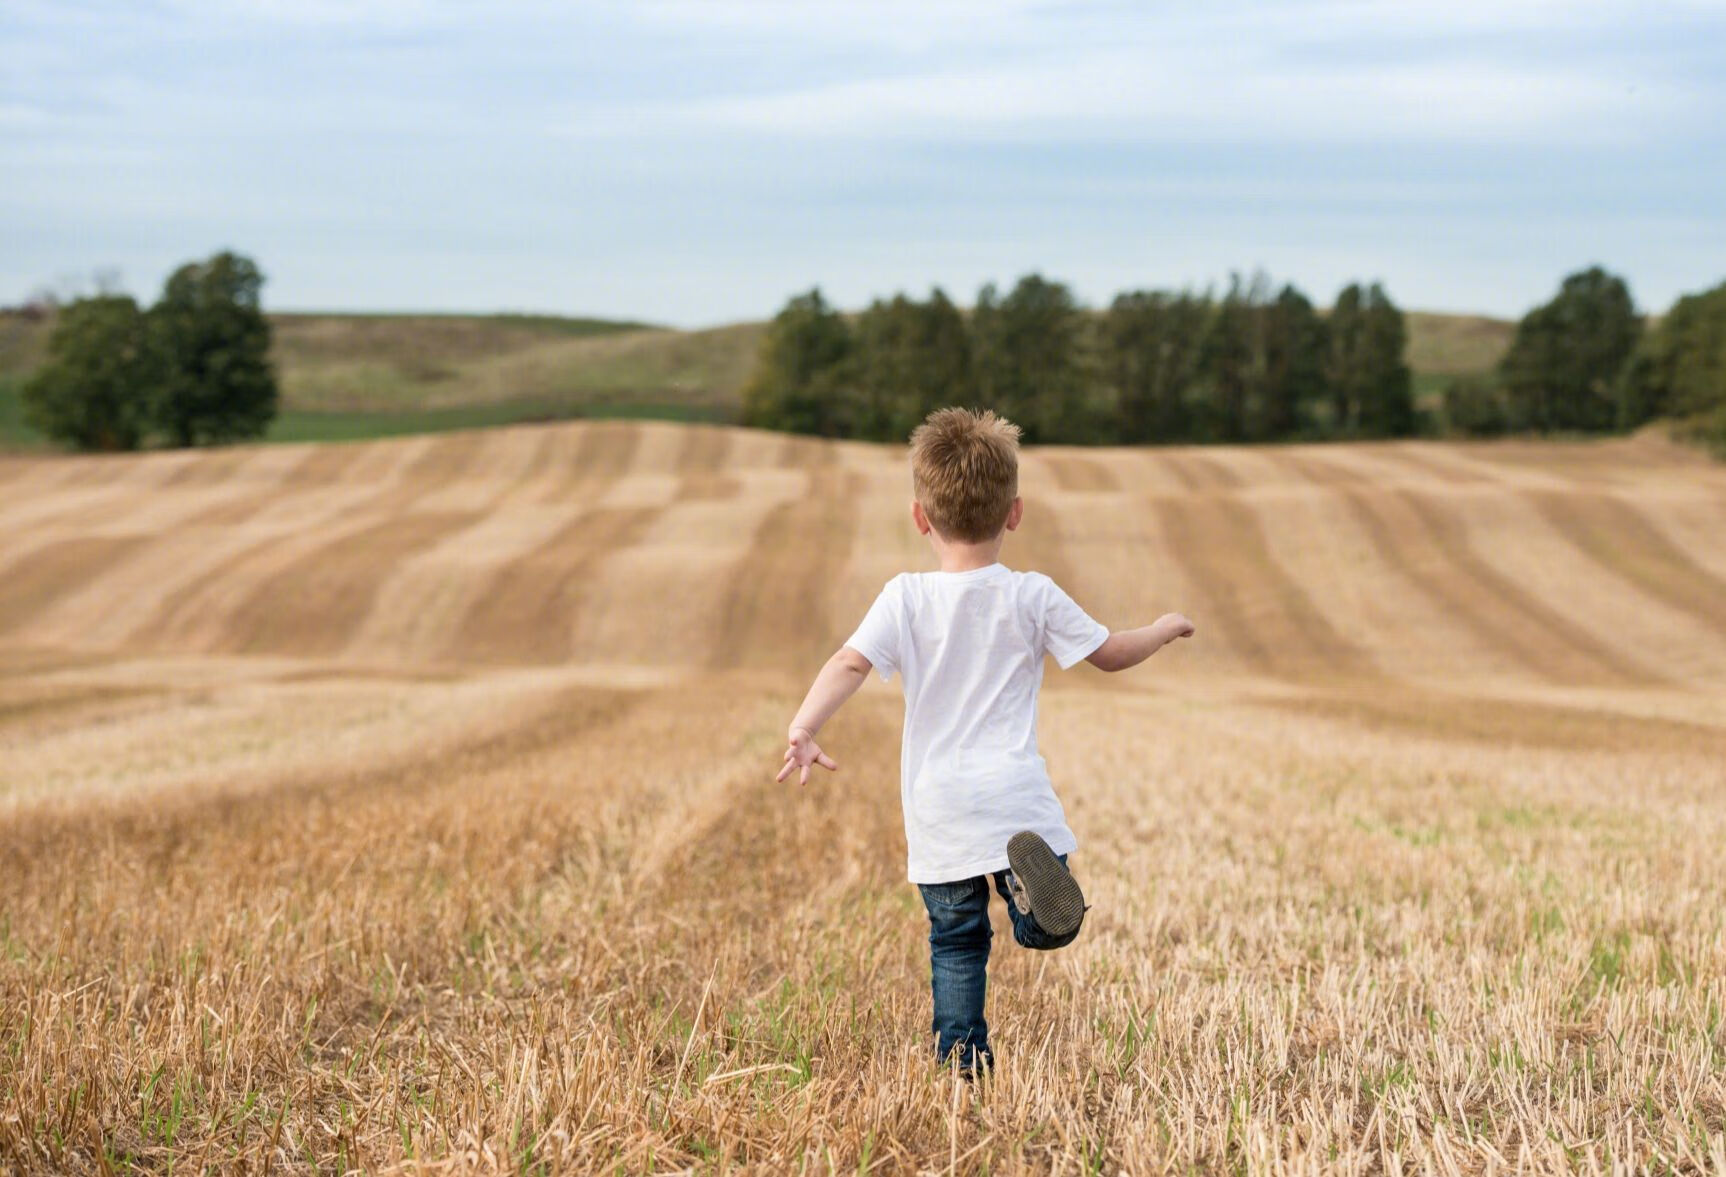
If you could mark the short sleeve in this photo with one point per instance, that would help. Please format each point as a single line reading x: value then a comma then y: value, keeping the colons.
x: 877, y: 638
x: 1069, y: 633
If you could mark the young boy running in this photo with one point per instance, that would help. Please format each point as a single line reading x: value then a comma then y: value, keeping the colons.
x: 969, y: 641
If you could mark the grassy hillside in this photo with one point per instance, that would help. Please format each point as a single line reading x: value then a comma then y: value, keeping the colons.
x: 349, y: 376
x: 409, y: 806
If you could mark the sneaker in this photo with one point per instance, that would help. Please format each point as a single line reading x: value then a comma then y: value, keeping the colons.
x: 1042, y: 886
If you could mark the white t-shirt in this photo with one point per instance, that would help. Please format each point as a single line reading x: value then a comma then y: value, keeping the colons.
x: 970, y: 646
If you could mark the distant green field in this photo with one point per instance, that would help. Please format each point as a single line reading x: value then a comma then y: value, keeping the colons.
x: 353, y: 376
x: 14, y: 434
x: 304, y: 425
x: 360, y: 425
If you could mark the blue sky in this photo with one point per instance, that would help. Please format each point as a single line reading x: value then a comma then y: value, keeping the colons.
x: 696, y: 161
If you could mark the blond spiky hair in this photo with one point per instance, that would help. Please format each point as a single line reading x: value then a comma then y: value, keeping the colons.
x: 965, y: 471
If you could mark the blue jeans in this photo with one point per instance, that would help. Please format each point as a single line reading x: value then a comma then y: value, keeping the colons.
x: 959, y: 936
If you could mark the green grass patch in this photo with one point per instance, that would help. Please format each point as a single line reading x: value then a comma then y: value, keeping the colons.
x: 298, y: 425
x: 551, y: 324
x: 301, y: 425
x: 14, y: 433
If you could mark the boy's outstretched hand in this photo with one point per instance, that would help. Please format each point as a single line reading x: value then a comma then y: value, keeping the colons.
x: 1175, y: 625
x: 802, y: 753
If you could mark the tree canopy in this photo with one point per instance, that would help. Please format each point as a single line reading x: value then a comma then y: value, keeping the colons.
x: 194, y: 369
x: 1562, y: 370
x: 1260, y: 363
x: 218, y: 385
x: 93, y: 393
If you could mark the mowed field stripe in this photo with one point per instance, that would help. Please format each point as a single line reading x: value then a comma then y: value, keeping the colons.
x: 333, y: 495
x: 1275, y: 627
x: 1415, y: 523
x: 315, y: 605
x: 1621, y: 539
x: 1075, y: 473
x: 702, y: 463
x: 1501, y: 722
x: 778, y: 603
x: 188, y: 821
x: 49, y: 572
x: 1564, y: 646
x: 530, y: 610
x: 1393, y: 539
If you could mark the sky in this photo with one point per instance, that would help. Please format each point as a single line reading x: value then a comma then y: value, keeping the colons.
x: 695, y: 162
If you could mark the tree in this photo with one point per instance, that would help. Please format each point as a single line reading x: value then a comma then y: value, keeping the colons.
x: 1563, y: 367
x: 1387, y: 407
x: 1028, y: 361
x: 1344, y: 367
x: 1293, y: 381
x: 218, y: 384
x: 1261, y: 363
x: 94, y: 391
x: 1474, y: 407
x: 801, y: 372
x: 1231, y: 360
x: 1372, y: 392
x: 912, y: 358
x: 1678, y: 368
x: 1151, y: 348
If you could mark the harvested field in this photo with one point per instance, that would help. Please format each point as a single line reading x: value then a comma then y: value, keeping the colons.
x: 409, y: 806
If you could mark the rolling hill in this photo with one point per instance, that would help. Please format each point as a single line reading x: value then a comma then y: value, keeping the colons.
x: 347, y: 376
x: 1361, y: 564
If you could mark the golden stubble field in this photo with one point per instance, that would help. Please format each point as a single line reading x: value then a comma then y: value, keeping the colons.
x: 409, y: 807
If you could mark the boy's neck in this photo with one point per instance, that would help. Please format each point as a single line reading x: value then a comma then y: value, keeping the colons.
x: 963, y: 557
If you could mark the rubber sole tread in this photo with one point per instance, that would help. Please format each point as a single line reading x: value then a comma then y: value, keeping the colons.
x: 1057, y: 903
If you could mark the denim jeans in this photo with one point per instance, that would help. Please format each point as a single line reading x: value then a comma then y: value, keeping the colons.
x: 959, y: 936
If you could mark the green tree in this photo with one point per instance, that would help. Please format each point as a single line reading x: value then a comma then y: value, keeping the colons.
x: 1151, y: 343
x: 1563, y: 368
x: 95, y: 388
x: 1371, y: 388
x: 1293, y: 368
x: 218, y: 384
x: 1474, y: 407
x: 1679, y: 367
x: 912, y: 358
x: 1262, y: 360
x: 802, y: 375
x: 1344, y: 366
x: 1387, y: 407
x: 1231, y: 355
x: 1028, y: 359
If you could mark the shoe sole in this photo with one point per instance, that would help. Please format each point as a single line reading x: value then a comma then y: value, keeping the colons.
x: 1057, y: 904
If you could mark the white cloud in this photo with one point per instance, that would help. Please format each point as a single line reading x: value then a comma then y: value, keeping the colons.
x: 1324, y: 71
x: 1224, y: 92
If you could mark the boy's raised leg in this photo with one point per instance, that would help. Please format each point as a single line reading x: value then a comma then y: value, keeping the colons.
x: 1043, y: 898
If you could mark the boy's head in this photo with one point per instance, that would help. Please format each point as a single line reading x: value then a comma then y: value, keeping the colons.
x: 965, y: 472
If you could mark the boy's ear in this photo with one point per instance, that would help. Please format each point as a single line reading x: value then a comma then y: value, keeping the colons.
x: 919, y: 518
x: 1015, y: 513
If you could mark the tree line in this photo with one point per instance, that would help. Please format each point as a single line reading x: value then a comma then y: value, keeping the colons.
x: 193, y: 369
x: 1255, y: 363
x: 1588, y: 362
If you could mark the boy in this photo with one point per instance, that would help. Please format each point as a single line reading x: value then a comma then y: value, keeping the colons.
x: 969, y: 641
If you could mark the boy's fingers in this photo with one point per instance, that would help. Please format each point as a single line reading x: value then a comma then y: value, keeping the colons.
x: 783, y: 773
x: 826, y: 761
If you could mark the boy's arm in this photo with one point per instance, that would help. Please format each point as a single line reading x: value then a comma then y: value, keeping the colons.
x: 1129, y: 647
x: 837, y: 682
